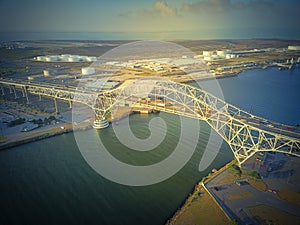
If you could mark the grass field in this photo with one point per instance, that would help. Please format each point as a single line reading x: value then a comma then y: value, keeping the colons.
x: 258, y: 184
x: 202, y: 210
x: 270, y: 216
x: 290, y: 196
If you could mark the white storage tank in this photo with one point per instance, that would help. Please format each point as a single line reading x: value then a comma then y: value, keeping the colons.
x: 65, y: 57
x: 40, y: 58
x: 228, y: 56
x: 47, y: 58
x: 207, y: 53
x: 51, y: 58
x: 87, y: 70
x: 91, y: 59
x: 207, y: 58
x: 46, y: 73
x: 221, y: 53
x: 49, y: 72
x: 82, y: 58
x: 294, y: 47
x: 73, y: 58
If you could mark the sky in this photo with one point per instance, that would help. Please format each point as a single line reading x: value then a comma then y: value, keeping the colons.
x: 183, y: 19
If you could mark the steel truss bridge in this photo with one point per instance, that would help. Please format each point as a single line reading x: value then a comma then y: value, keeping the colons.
x: 245, y: 133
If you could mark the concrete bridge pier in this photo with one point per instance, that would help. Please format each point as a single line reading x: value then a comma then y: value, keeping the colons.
x: 15, y: 92
x: 100, y: 121
x: 56, y: 107
x: 2, y: 90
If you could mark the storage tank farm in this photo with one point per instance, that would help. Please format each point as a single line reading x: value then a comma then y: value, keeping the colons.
x: 207, y: 53
x: 65, y: 58
x: 294, y: 47
x: 218, y: 54
x: 73, y: 58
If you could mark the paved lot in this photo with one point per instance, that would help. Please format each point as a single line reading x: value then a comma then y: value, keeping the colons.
x: 236, y: 199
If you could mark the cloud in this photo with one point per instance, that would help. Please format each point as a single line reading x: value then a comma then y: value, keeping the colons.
x: 164, y: 10
x: 223, y: 6
x: 159, y: 9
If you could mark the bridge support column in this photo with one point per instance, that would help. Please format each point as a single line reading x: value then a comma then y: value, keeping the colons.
x: 100, y: 121
x: 2, y: 90
x: 15, y: 92
x: 26, y: 95
x: 55, y: 104
x: 100, y: 124
x: 23, y: 91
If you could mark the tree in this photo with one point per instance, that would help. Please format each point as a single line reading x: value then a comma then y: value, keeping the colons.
x: 16, y: 122
x: 52, y: 118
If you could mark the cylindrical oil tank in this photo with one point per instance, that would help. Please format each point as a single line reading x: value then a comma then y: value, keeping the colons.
x: 207, y: 53
x: 91, y: 59
x: 73, y: 58
x: 88, y: 70
x: 294, y: 47
x: 207, y: 58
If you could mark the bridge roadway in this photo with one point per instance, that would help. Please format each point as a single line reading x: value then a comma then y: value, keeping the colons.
x: 245, y: 133
x: 254, y: 121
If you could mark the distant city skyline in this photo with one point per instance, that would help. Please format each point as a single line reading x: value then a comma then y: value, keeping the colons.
x: 141, y: 19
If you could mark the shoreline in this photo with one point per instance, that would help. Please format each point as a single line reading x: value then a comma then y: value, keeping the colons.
x: 47, y: 134
x: 198, y: 186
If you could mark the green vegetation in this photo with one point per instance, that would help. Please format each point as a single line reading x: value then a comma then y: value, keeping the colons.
x: 16, y: 122
x: 267, y: 215
x: 290, y: 196
x: 271, y: 222
x: 234, y: 222
x: 45, y: 121
x: 39, y: 121
x: 236, y: 170
x: 203, y: 179
x: 2, y: 139
x: 254, y: 174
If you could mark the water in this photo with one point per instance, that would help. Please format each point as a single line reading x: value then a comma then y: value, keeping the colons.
x: 48, y: 182
x: 269, y: 93
x: 209, y: 34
